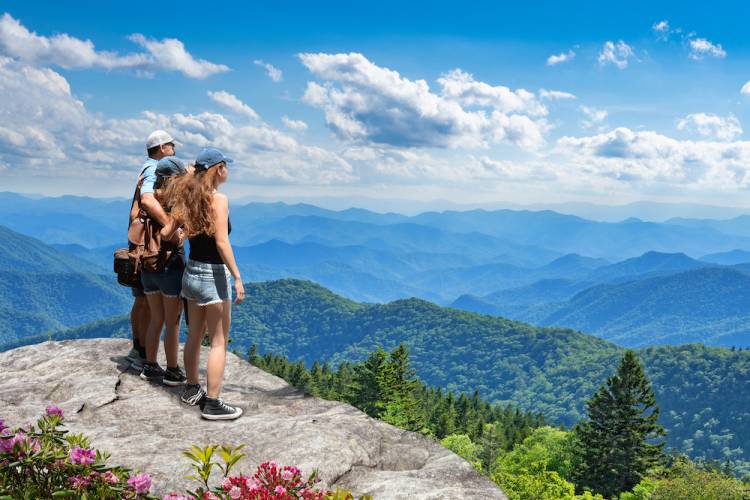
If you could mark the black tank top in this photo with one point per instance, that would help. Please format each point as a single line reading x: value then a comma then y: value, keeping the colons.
x: 203, y: 247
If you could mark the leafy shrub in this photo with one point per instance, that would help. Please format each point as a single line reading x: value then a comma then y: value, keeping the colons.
x: 45, y: 461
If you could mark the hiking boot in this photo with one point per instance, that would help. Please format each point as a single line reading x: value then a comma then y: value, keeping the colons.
x: 193, y: 394
x: 152, y: 372
x: 132, y: 355
x: 137, y: 363
x: 174, y: 377
x: 216, y: 409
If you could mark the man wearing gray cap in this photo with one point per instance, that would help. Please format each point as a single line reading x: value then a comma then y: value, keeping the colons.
x: 158, y: 145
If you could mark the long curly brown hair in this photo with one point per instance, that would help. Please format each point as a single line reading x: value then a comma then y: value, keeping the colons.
x: 190, y: 197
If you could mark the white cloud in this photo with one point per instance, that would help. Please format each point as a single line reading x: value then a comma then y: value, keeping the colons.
x: 54, y: 134
x: 661, y: 26
x: 710, y: 125
x: 650, y: 157
x: 296, y: 125
x: 366, y: 103
x: 594, y: 116
x: 230, y: 101
x: 617, y: 54
x: 170, y: 54
x: 560, y: 58
x: 273, y: 72
x: 745, y: 90
x: 555, y: 94
x: 68, y: 52
x: 700, y: 48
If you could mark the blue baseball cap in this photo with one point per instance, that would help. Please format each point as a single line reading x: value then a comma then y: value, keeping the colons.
x: 208, y: 157
x: 170, y: 166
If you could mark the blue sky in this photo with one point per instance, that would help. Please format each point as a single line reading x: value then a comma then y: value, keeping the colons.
x: 483, y: 102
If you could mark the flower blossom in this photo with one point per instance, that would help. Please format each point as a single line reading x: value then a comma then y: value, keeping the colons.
x: 82, y: 456
x: 54, y: 410
x: 141, y: 483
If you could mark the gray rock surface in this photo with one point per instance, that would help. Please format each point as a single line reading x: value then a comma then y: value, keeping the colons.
x: 144, y: 426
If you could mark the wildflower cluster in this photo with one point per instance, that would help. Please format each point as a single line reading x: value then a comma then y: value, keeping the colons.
x: 270, y: 481
x: 43, y: 460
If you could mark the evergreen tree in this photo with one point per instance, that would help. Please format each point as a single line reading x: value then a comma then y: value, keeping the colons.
x: 613, y: 450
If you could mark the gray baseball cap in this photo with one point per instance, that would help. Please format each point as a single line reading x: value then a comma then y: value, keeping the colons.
x: 170, y: 166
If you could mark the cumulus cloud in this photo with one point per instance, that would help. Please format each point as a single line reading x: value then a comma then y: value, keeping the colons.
x: 53, y: 133
x: 560, y: 58
x: 661, y: 26
x: 647, y: 156
x: 296, y: 125
x: 710, y: 125
x: 700, y: 48
x: 745, y: 90
x: 617, y: 54
x: 273, y: 72
x: 230, y: 101
x: 68, y: 52
x: 555, y: 94
x: 366, y: 103
x: 170, y: 54
x: 594, y: 116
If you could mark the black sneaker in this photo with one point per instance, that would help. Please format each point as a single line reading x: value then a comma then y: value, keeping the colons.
x: 216, y: 409
x: 193, y: 394
x: 174, y: 377
x: 152, y: 372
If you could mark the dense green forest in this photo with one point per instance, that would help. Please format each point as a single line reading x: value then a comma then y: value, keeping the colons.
x: 528, y: 460
x: 704, y: 393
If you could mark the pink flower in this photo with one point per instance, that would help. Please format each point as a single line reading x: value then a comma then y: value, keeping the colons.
x: 82, y: 456
x: 141, y: 483
x: 79, y: 482
x: 280, y: 490
x: 209, y: 496
x: 235, y: 493
x: 287, y: 475
x: 110, y: 478
x: 55, y: 410
x: 226, y: 483
x: 175, y: 496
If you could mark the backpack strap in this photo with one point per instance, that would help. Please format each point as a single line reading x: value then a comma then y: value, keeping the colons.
x: 136, y: 197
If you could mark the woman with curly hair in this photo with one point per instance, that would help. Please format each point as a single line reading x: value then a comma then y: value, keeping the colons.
x: 204, y: 214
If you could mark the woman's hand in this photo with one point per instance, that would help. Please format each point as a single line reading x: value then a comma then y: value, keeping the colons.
x: 239, y: 288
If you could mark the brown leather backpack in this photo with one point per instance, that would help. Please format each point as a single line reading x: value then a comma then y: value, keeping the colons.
x: 145, y: 249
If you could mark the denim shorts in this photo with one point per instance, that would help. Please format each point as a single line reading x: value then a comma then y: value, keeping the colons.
x: 168, y: 282
x: 206, y: 283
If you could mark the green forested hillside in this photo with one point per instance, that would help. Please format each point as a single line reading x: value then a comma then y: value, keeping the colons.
x: 704, y: 392
x: 42, y: 289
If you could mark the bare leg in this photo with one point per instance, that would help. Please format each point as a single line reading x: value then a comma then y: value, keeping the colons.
x: 172, y: 310
x: 139, y: 319
x: 196, y: 329
x: 218, y: 319
x: 156, y: 322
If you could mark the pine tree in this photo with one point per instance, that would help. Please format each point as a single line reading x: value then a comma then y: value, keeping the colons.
x: 615, y: 446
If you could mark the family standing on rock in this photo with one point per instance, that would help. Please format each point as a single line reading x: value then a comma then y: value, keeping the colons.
x: 173, y: 202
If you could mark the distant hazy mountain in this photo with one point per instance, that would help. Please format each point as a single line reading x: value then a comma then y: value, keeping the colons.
x: 650, y: 263
x: 707, y: 305
x: 728, y: 258
x: 739, y: 225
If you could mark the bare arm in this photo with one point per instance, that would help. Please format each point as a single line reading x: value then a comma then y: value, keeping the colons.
x: 221, y: 219
x: 154, y: 209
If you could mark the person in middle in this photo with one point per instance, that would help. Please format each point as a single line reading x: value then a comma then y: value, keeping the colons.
x: 162, y: 288
x: 204, y: 212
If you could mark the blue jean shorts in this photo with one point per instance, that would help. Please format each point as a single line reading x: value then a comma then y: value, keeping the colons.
x: 168, y: 282
x: 206, y: 283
